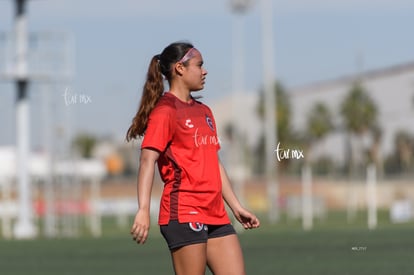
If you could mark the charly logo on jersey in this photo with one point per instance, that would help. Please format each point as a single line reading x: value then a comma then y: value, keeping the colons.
x: 210, y: 123
x: 197, y: 227
x: 189, y: 124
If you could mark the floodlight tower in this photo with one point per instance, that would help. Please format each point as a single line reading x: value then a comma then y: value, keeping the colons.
x: 239, y: 8
x: 24, y: 227
x: 270, y: 109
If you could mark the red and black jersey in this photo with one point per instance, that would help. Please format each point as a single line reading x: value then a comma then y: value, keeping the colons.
x: 186, y: 137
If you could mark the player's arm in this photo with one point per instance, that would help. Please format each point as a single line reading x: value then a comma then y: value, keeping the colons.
x: 141, y: 225
x: 245, y: 217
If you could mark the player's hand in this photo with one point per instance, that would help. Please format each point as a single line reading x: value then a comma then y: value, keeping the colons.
x: 247, y: 219
x: 140, y: 227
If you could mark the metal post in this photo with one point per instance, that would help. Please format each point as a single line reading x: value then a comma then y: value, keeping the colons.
x: 239, y: 7
x: 372, y: 196
x: 307, y: 211
x: 95, y: 216
x: 270, y: 110
x: 50, y: 218
x: 6, y: 211
x: 24, y: 227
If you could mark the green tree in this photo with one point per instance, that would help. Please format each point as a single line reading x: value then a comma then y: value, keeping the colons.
x: 404, y: 149
x: 374, y: 152
x: 359, y: 110
x: 359, y: 113
x: 84, y: 144
x: 401, y: 160
x: 319, y: 124
x: 283, y: 124
x: 283, y: 115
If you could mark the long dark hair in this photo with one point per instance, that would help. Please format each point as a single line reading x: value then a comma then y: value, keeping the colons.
x: 161, y: 64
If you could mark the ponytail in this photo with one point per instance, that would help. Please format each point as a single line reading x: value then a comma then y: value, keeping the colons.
x: 161, y: 65
x: 152, y: 91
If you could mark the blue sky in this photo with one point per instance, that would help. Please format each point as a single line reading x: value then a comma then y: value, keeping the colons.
x: 314, y: 40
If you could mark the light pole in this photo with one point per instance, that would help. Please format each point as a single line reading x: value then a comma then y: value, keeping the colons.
x: 270, y: 110
x: 24, y: 227
x: 239, y: 7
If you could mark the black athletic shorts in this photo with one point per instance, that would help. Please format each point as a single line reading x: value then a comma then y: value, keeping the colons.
x: 181, y: 234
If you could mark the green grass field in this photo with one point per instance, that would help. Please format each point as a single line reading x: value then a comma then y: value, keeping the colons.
x: 332, y: 247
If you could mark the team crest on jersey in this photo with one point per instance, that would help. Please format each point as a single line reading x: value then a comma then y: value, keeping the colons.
x: 196, y: 226
x: 210, y: 123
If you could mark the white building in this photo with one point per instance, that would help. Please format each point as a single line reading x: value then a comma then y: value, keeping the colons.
x: 240, y: 111
x: 392, y: 90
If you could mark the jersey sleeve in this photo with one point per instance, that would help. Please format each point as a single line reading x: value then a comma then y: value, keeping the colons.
x: 160, y: 128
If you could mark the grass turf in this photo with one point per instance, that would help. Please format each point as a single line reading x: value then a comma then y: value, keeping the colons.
x: 331, y: 248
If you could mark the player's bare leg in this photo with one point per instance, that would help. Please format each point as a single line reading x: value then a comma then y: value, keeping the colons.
x: 190, y: 259
x: 224, y: 256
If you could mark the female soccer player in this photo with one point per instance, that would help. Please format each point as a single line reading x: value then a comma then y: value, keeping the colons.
x: 179, y: 134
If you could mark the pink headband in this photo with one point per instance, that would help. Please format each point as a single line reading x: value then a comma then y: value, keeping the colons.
x: 187, y: 56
